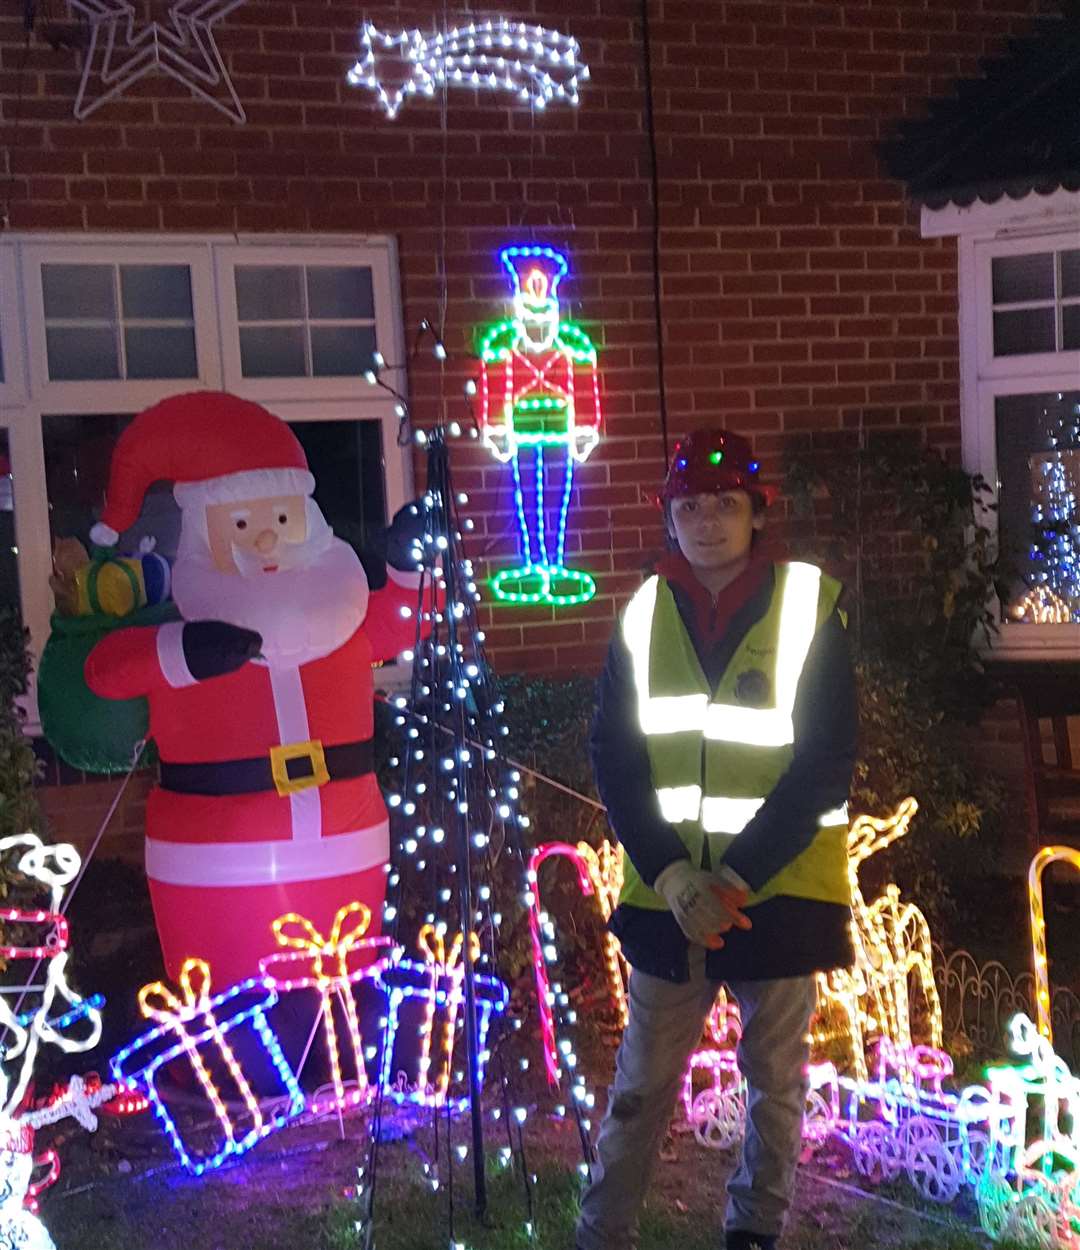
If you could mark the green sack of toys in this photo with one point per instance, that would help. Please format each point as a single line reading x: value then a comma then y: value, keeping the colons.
x: 92, y: 734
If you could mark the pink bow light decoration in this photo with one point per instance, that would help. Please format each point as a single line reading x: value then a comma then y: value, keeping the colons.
x: 312, y: 961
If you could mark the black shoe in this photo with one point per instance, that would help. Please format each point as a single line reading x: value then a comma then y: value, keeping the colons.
x: 740, y: 1240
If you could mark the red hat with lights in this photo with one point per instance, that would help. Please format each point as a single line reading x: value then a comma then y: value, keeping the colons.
x: 709, y: 461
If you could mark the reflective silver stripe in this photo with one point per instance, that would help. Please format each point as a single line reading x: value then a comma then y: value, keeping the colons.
x: 750, y: 726
x: 725, y: 815
x: 798, y: 624
x: 665, y: 714
x: 720, y: 815
x: 266, y: 863
x: 678, y: 803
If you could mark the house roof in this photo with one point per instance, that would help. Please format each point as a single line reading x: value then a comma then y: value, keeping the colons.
x: 1013, y: 130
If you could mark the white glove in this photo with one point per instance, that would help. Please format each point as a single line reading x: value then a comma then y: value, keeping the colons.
x: 703, y: 905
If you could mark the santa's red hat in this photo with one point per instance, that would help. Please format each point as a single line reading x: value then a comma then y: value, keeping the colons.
x: 215, y: 448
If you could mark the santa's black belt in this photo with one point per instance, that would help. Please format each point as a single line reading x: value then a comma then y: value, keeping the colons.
x: 287, y: 769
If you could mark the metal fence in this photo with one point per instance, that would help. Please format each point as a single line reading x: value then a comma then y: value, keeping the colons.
x: 977, y: 1001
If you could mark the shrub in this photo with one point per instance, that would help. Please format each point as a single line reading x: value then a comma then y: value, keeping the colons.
x: 905, y: 530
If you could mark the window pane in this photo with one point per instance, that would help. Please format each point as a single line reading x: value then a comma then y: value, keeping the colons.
x: 79, y: 291
x: 1070, y: 273
x: 341, y: 351
x: 272, y: 352
x: 340, y: 292
x: 1019, y: 278
x: 1026, y: 330
x: 162, y: 292
x: 9, y: 553
x: 1070, y: 327
x: 160, y: 352
x: 346, y: 460
x: 78, y: 450
x: 1038, y: 450
x: 269, y: 293
x: 83, y: 353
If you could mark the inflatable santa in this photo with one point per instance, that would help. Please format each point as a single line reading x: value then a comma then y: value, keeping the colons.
x: 261, y: 697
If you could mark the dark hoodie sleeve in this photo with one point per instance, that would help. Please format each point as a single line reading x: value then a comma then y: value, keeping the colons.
x: 819, y: 776
x: 620, y: 761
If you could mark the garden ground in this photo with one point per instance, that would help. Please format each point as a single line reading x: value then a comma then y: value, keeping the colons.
x: 120, y: 1192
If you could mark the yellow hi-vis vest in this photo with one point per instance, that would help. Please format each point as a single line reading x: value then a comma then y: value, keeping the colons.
x: 716, y: 754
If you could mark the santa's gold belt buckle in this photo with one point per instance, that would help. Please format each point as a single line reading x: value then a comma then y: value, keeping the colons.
x: 292, y: 783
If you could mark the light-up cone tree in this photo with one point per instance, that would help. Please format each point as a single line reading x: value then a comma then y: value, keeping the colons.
x: 459, y: 837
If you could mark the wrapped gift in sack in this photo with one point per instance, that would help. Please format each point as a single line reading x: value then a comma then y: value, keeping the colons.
x: 108, y: 584
x: 334, y: 969
x: 95, y: 596
x: 201, y: 1031
x: 422, y: 1055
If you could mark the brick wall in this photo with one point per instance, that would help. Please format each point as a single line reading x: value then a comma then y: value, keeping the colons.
x: 797, y: 294
x: 798, y: 297
x: 75, y: 811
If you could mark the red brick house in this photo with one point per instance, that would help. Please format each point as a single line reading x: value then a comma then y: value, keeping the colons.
x: 801, y: 285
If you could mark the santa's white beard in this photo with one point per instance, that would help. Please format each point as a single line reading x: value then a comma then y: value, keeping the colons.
x: 302, y: 613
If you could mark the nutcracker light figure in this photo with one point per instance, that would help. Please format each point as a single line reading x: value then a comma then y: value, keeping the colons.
x: 539, y: 412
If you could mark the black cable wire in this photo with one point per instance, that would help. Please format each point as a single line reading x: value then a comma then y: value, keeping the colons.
x: 654, y: 178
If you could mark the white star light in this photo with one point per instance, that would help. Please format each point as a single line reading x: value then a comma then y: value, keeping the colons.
x: 121, y: 51
x: 538, y: 65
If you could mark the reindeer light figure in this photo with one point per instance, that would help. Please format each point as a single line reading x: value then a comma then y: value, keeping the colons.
x: 55, y: 1012
x: 892, y: 945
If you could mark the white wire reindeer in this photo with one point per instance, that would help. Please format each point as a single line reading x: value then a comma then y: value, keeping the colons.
x: 54, y: 1009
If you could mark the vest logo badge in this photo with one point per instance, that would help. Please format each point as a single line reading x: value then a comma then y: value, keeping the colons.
x: 752, y: 688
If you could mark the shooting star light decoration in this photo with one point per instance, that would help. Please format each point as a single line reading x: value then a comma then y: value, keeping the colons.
x: 538, y: 65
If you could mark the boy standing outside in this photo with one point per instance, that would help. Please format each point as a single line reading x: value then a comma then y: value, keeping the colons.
x: 723, y: 747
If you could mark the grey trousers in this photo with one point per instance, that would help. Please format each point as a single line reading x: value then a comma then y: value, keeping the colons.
x: 666, y: 1022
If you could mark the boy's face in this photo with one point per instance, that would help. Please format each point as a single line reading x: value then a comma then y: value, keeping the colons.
x: 714, y: 530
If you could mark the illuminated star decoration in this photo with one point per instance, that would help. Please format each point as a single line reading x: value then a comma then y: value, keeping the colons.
x: 538, y: 65
x: 121, y: 50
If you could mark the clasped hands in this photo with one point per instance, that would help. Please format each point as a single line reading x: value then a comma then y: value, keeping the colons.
x: 705, y: 904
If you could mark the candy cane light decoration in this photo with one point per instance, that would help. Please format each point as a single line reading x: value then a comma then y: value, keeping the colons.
x: 599, y: 875
x: 1047, y: 856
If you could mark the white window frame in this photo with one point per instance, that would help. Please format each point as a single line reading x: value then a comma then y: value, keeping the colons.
x: 13, y: 387
x: 1033, y: 224
x: 227, y: 258
x: 100, y: 395
x: 29, y: 394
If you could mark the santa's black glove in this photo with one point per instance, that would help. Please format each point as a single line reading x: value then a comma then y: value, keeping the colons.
x: 213, y: 648
x: 405, y: 537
